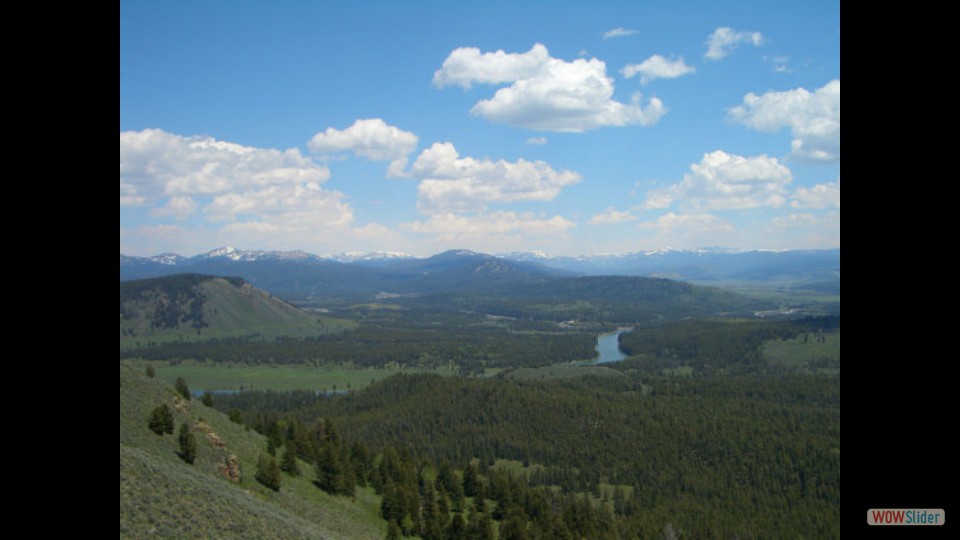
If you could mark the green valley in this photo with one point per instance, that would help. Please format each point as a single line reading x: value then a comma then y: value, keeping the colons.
x: 474, y: 411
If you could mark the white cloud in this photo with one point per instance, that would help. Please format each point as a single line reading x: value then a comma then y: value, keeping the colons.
x: 370, y: 138
x: 537, y: 140
x: 494, y: 231
x: 818, y: 196
x: 156, y: 164
x: 658, y: 67
x: 180, y: 208
x: 690, y: 223
x: 255, y: 196
x: 466, y: 65
x: 290, y: 207
x: 619, y: 32
x: 612, y: 216
x: 451, y: 183
x: 545, y: 93
x: 724, y: 40
x: 726, y: 181
x: 128, y: 196
x: 813, y: 119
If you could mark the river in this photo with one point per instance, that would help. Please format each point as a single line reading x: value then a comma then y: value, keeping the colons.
x: 608, y: 348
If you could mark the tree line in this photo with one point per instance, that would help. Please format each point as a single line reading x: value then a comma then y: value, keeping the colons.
x: 469, y: 347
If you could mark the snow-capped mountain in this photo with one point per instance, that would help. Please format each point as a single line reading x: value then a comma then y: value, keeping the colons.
x: 527, y: 256
x: 371, y: 256
x: 235, y: 254
x: 171, y: 259
x: 699, y: 265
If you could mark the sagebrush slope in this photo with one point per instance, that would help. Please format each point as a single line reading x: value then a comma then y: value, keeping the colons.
x: 161, y: 496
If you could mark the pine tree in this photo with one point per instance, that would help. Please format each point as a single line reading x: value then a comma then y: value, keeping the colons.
x: 274, y: 435
x: 471, y: 481
x: 334, y: 474
x: 268, y: 472
x: 288, y: 459
x: 360, y: 462
x: 207, y: 399
x: 457, y: 528
x: 393, y: 530
x: 188, y: 444
x: 514, y: 527
x: 161, y: 420
x: 182, y: 388
x: 151, y: 371
x: 433, y: 521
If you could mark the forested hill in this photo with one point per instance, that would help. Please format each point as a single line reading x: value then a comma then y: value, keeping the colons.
x: 191, y: 306
x: 606, y: 298
x: 739, y: 456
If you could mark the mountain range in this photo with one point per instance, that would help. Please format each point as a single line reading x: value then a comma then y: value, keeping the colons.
x: 298, y: 274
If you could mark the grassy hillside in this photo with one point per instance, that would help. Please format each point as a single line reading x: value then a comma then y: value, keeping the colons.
x: 190, y: 307
x: 162, y: 496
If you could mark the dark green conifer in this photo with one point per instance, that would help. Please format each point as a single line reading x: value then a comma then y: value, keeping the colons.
x: 288, y: 459
x: 188, y: 444
x: 161, y: 420
x: 268, y: 472
x: 182, y: 388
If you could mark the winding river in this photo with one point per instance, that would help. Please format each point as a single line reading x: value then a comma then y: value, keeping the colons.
x: 608, y: 348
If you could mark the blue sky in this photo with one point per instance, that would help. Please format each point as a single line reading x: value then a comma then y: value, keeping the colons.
x: 567, y: 127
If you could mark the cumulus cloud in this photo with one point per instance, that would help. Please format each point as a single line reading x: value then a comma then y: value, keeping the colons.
x: 619, y: 32
x: 451, y: 183
x: 813, y: 119
x: 466, y: 65
x: 545, y: 93
x: 372, y: 139
x: 537, y: 140
x: 724, y: 40
x: 253, y: 194
x: 491, y: 230
x: 180, y: 207
x: 128, y: 196
x: 657, y: 67
x: 611, y: 216
x: 156, y: 164
x: 292, y: 206
x: 726, y: 181
x: 818, y: 196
